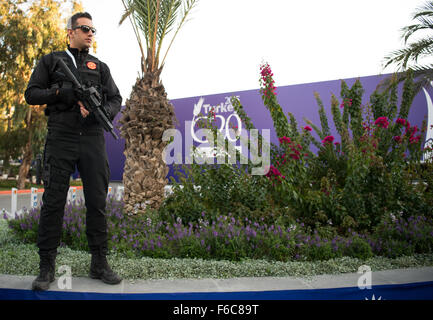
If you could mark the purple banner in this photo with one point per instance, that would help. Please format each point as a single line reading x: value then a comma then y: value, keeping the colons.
x: 297, y: 99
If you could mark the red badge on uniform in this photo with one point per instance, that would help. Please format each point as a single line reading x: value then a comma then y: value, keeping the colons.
x: 91, y: 65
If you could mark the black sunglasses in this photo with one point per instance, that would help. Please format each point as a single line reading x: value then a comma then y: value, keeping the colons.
x: 85, y: 29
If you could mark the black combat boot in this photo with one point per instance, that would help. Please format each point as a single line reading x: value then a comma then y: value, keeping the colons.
x: 47, y: 270
x: 99, y: 268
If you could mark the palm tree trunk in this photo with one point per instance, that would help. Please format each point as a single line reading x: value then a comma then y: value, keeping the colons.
x: 147, y: 115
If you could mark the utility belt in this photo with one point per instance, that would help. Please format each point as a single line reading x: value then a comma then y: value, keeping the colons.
x: 63, y: 85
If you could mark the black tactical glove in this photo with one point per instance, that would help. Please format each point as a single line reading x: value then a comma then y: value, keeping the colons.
x: 68, y: 97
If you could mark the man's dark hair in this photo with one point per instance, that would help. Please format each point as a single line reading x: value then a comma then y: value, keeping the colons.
x: 72, y: 22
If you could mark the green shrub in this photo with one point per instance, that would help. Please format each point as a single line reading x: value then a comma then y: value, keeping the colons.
x: 26, y: 226
x: 397, y: 235
x: 232, y: 238
x: 217, y: 190
x: 359, y: 248
x: 393, y: 248
x: 320, y: 251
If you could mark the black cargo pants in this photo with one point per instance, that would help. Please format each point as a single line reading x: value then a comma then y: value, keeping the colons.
x: 63, y: 152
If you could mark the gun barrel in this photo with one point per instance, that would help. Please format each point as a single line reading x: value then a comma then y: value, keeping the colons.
x: 103, y: 120
x: 114, y: 135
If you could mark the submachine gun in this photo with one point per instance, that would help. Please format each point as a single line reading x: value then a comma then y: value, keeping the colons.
x: 91, y: 99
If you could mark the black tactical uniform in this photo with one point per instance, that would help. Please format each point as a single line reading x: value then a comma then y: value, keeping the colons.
x: 72, y: 141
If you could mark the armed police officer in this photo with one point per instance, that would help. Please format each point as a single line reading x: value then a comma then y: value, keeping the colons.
x: 74, y: 139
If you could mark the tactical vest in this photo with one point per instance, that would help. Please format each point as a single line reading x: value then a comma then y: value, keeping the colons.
x: 88, y: 72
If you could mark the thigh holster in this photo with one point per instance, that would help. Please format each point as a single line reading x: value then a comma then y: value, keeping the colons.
x: 55, y: 177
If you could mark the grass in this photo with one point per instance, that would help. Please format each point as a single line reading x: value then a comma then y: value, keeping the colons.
x: 17, y: 258
x: 7, y: 185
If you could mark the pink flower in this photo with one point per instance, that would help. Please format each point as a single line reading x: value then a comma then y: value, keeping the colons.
x: 397, y: 139
x: 285, y: 139
x: 366, y: 127
x: 413, y: 140
x: 328, y: 139
x: 307, y: 128
x: 382, y: 122
x: 401, y: 121
x: 413, y: 130
x: 266, y: 80
x: 345, y: 102
x: 274, y: 173
x: 410, y: 131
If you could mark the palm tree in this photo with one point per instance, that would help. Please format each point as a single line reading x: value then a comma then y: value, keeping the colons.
x: 416, y: 50
x: 148, y: 112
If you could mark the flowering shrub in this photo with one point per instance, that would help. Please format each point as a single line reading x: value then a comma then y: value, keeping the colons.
x: 267, y: 89
x: 232, y: 238
x: 350, y: 183
x: 396, y: 236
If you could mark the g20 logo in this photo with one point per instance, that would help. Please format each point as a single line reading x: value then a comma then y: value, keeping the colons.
x: 224, y: 123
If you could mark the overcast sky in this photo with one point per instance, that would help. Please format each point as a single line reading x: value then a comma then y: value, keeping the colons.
x: 220, y: 49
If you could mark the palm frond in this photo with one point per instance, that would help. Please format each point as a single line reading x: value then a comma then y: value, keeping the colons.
x: 156, y: 19
x: 412, y: 52
x: 169, y: 12
x: 188, y: 6
x: 423, y: 70
x: 168, y: 16
x: 398, y: 57
x: 409, y: 31
x: 144, y: 13
x: 421, y: 48
x: 424, y: 16
x: 129, y: 14
x: 418, y: 49
x: 424, y: 10
x: 126, y: 14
